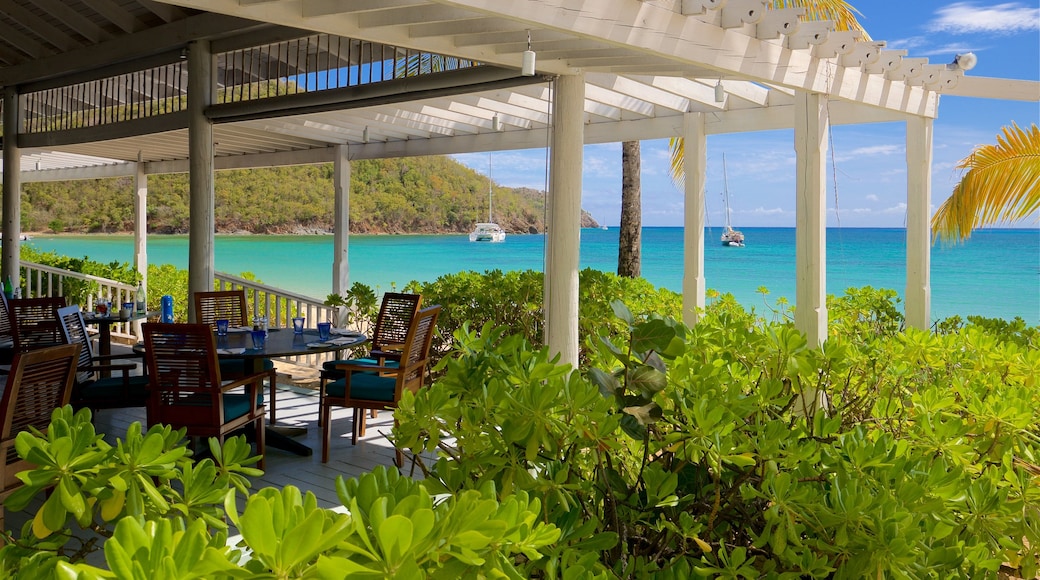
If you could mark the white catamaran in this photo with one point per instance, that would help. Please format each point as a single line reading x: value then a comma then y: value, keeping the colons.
x: 730, y: 236
x: 488, y: 231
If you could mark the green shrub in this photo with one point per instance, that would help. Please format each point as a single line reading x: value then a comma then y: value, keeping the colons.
x: 733, y: 449
x: 163, y: 515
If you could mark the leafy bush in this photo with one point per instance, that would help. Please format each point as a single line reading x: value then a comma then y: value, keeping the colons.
x: 733, y: 449
x: 163, y: 516
x: 513, y: 301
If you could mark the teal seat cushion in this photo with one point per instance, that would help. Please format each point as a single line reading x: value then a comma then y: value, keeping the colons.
x: 236, y: 367
x: 329, y: 370
x: 237, y: 404
x: 111, y: 388
x: 367, y: 386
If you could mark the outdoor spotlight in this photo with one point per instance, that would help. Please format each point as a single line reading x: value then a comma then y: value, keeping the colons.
x: 496, y: 123
x: 966, y: 61
x: 364, y: 135
x: 720, y: 92
x: 527, y: 68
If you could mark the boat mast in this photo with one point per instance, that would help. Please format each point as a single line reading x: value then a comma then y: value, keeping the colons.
x: 725, y: 191
x: 489, y: 186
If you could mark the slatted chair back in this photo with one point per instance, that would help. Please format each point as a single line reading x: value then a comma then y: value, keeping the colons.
x: 34, y: 322
x: 417, y: 351
x: 5, y: 319
x: 394, y: 319
x: 184, y: 376
x: 186, y: 390
x: 75, y: 331
x: 223, y: 304
x: 39, y: 382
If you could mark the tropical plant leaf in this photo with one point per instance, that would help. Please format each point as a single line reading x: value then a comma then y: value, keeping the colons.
x: 1002, y: 184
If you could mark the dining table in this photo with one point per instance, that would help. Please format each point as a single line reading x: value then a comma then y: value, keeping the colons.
x: 104, y: 323
x: 283, y: 342
x: 280, y: 342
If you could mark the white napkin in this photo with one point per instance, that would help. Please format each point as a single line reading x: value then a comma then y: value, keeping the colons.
x: 344, y: 332
x: 240, y: 329
x: 230, y: 350
x: 317, y: 344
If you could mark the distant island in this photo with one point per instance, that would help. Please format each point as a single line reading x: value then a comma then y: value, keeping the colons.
x: 413, y: 195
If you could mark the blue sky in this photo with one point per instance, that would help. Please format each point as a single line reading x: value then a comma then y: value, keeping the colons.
x: 868, y: 186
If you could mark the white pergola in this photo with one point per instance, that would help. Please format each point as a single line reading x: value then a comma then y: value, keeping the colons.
x: 606, y: 71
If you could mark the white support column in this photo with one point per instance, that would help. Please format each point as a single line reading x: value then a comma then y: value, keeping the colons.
x: 12, y: 205
x: 563, y: 230
x: 695, y: 164
x: 341, y: 222
x: 810, y: 144
x: 918, y: 216
x: 200, y: 172
x: 141, y: 222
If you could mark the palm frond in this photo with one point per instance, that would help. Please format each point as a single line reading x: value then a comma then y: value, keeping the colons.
x: 1002, y: 185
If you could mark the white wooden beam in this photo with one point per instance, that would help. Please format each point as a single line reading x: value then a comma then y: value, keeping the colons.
x: 810, y: 143
x: 918, y: 222
x: 563, y: 230
x: 341, y: 221
x: 993, y: 88
x: 695, y: 163
x: 779, y: 22
x: 200, y: 174
x: 737, y: 13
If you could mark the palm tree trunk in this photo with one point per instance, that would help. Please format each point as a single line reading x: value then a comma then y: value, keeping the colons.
x: 630, y: 236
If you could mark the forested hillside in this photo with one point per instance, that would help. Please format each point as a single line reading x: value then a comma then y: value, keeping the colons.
x: 404, y: 195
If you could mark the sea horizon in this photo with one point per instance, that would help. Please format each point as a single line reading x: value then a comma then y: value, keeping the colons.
x: 995, y: 273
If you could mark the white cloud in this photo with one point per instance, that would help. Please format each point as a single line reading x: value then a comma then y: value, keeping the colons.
x: 899, y: 208
x: 764, y: 211
x: 907, y: 43
x: 872, y: 197
x: 878, y: 150
x: 965, y: 18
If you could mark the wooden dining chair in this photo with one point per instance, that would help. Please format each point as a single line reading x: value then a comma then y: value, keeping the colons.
x: 6, y: 332
x: 39, y: 382
x: 388, y: 335
x: 231, y: 305
x: 379, y: 386
x: 34, y: 322
x: 187, y: 389
x: 91, y: 389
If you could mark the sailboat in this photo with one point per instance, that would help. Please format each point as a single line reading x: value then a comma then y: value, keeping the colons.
x: 730, y: 236
x: 488, y: 231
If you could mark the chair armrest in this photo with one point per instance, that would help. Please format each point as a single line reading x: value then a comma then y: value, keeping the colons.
x: 386, y: 354
x: 125, y: 367
x: 366, y: 367
x: 254, y: 379
x: 121, y: 356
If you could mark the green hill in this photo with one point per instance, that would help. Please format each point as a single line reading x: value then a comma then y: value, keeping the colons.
x: 404, y: 195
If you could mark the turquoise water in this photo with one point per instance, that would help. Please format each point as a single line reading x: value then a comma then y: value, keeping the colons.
x: 996, y: 273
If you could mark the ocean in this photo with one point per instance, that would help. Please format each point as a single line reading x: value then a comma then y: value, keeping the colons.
x: 996, y: 273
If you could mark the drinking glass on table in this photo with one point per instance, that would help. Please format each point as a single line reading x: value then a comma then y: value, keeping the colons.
x: 222, y: 326
x: 297, y: 324
x: 259, y: 339
x: 324, y: 328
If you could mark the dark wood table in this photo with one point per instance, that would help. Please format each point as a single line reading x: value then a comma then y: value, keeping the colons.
x: 281, y: 342
x: 104, y: 323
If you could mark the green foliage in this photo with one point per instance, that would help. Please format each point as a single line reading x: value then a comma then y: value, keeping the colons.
x: 404, y: 195
x: 77, y: 291
x: 148, y: 476
x: 164, y: 516
x: 513, y: 301
x: 733, y: 449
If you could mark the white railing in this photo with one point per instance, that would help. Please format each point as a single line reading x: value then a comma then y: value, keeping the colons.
x: 279, y: 306
x: 41, y: 280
